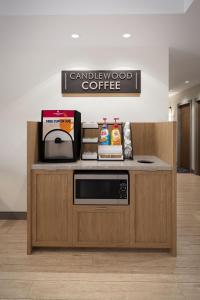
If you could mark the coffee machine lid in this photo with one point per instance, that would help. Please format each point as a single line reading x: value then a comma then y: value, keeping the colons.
x: 58, y: 134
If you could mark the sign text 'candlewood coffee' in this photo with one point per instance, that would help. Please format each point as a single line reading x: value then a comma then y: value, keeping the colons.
x: 101, y: 82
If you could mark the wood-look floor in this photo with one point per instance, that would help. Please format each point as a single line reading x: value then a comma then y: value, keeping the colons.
x: 106, y: 275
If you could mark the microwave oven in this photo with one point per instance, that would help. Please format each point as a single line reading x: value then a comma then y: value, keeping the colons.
x: 101, y: 187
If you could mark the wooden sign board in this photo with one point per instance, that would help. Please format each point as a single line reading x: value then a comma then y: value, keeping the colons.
x: 120, y: 82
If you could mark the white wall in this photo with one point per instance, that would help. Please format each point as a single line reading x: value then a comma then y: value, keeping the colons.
x: 31, y: 81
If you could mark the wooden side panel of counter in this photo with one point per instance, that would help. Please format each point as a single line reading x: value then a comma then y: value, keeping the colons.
x: 32, y: 157
x: 158, y: 139
x: 132, y: 205
x: 143, y: 138
x: 165, y: 141
x: 165, y: 138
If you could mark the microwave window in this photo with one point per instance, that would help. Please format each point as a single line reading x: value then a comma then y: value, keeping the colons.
x: 98, y: 189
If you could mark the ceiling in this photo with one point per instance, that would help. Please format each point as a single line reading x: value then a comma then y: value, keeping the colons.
x: 173, y: 23
x: 92, y: 7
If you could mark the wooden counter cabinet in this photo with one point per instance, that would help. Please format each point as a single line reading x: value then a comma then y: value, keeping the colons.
x: 100, y: 226
x: 52, y: 208
x: 149, y: 221
x: 151, y: 196
x: 145, y: 223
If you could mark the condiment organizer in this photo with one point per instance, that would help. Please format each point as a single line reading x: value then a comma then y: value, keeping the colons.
x: 111, y: 152
x: 89, y: 141
x: 92, y: 150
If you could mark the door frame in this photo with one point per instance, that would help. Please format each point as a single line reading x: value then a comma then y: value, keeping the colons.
x: 197, y: 142
x: 182, y: 103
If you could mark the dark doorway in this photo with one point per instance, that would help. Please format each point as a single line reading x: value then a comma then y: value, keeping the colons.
x: 184, y: 137
x: 197, y: 162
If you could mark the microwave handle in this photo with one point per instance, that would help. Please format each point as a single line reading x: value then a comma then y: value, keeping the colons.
x: 101, y: 207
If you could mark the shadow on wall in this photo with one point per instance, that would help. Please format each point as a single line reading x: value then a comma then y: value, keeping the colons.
x: 180, y: 62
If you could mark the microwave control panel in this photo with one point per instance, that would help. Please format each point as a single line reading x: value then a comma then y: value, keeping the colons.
x: 123, y: 189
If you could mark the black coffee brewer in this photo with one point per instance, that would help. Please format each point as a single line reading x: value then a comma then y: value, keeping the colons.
x: 61, y: 135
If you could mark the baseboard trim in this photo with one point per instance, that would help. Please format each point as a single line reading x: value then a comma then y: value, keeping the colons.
x: 7, y: 215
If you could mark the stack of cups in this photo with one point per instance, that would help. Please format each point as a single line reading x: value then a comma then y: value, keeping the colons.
x: 127, y: 141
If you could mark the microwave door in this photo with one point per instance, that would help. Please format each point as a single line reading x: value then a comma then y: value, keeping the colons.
x: 98, y: 189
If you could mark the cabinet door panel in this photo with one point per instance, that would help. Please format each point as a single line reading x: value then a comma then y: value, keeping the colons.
x: 152, y: 209
x: 51, y: 208
x: 101, y: 227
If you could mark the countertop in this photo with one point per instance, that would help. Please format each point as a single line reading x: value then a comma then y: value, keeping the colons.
x: 157, y: 165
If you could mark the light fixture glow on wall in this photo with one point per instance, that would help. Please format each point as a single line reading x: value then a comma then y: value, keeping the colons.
x: 126, y: 35
x: 187, y: 81
x: 170, y: 114
x: 75, y: 35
